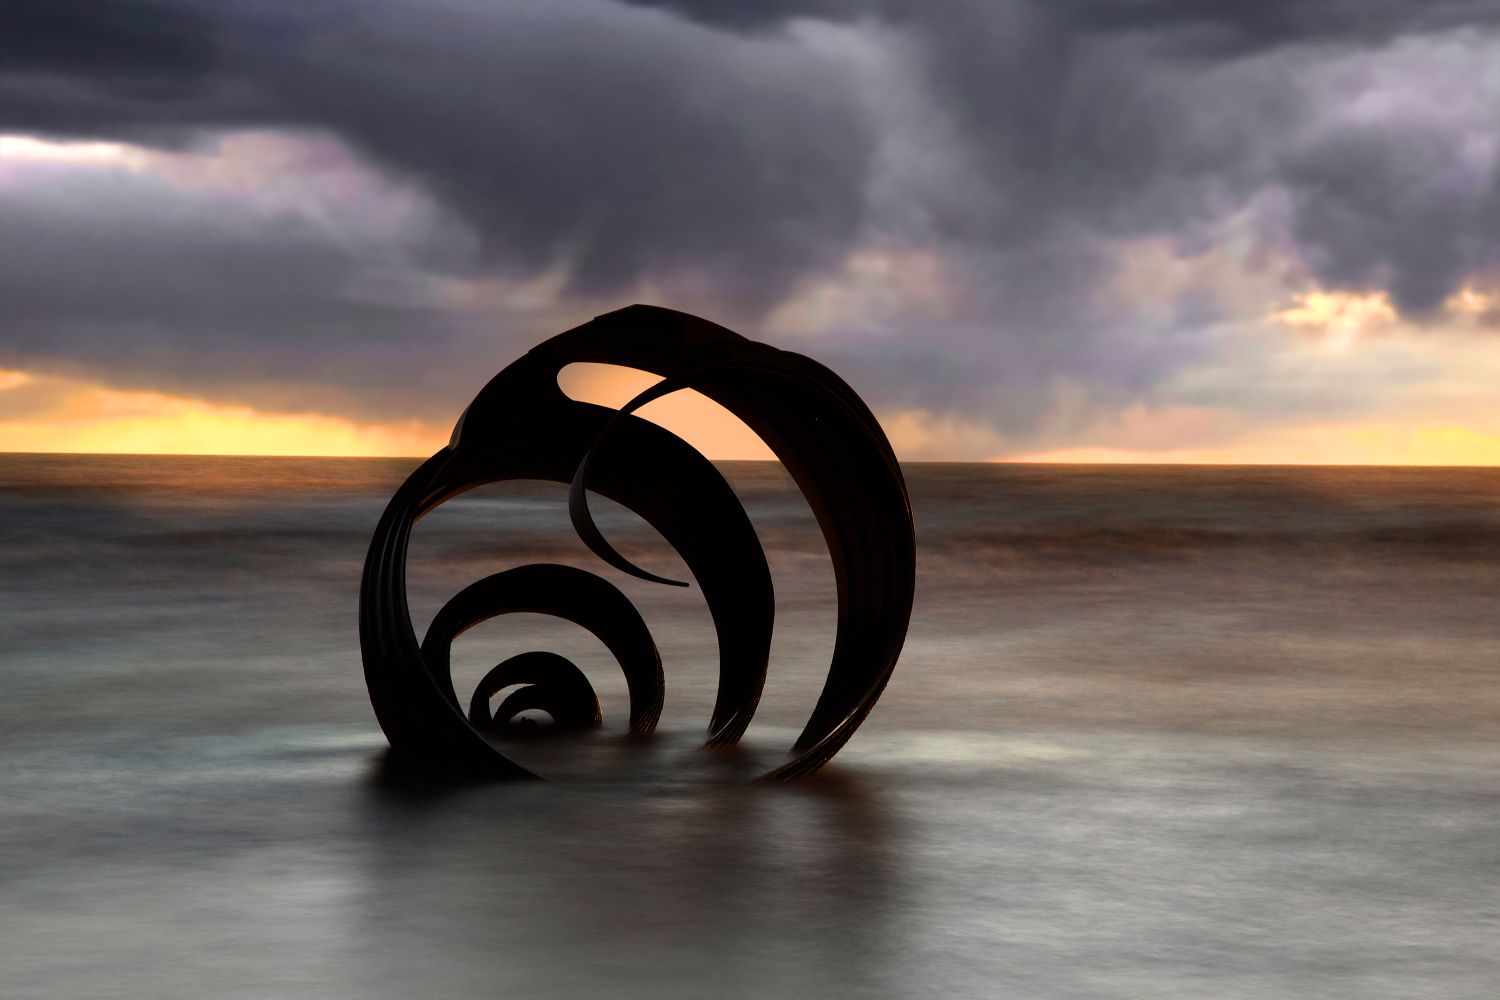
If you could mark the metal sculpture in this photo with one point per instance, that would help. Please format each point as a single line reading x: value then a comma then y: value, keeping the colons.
x: 522, y: 426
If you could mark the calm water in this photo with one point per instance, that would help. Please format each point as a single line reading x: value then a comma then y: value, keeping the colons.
x: 1193, y: 732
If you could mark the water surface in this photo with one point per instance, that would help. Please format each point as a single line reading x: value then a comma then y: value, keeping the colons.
x: 1158, y: 732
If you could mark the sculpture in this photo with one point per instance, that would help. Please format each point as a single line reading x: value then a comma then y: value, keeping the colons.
x: 522, y: 426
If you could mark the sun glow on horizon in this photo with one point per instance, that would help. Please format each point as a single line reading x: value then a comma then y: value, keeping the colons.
x: 68, y: 415
x: 49, y: 413
x: 74, y: 415
x: 1355, y: 444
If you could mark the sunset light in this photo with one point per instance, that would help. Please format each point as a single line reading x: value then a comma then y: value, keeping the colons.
x: 1338, y: 319
x: 1317, y: 445
x: 69, y: 415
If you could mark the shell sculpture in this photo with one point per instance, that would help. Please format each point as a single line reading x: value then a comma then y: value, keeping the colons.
x: 522, y: 426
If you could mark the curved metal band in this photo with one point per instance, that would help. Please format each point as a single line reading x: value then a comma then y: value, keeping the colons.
x: 553, y: 684
x: 521, y: 425
x: 564, y: 592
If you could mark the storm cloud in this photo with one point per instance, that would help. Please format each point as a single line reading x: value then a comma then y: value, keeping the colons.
x: 617, y: 144
x: 746, y: 160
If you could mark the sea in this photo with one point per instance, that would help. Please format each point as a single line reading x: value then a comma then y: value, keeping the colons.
x: 1160, y: 732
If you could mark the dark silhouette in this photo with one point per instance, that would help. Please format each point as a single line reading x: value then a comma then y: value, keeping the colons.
x: 553, y: 684
x: 522, y: 426
x: 565, y: 592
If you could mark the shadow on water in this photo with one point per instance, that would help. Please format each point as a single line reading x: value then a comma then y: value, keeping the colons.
x: 400, y: 779
x: 669, y: 887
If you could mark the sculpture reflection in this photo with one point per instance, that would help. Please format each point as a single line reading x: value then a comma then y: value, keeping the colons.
x: 522, y: 426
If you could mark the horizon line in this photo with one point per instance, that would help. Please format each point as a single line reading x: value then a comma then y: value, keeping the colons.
x: 902, y: 461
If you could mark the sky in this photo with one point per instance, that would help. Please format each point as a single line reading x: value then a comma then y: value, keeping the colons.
x: 1071, y: 230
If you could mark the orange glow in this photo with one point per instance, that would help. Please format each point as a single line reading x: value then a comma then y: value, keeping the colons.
x: 690, y: 415
x: 70, y: 415
x: 1470, y: 302
x: 1338, y: 318
x: 44, y: 413
x: 1329, y: 444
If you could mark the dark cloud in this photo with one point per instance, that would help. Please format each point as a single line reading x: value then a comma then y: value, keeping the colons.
x: 727, y: 155
x: 1201, y: 27
x: 129, y: 42
x: 122, y: 274
x: 1128, y: 118
x: 1210, y: 27
x: 621, y: 147
x: 1398, y: 211
x: 615, y: 147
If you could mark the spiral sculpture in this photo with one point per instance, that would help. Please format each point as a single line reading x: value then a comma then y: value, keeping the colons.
x: 522, y: 426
